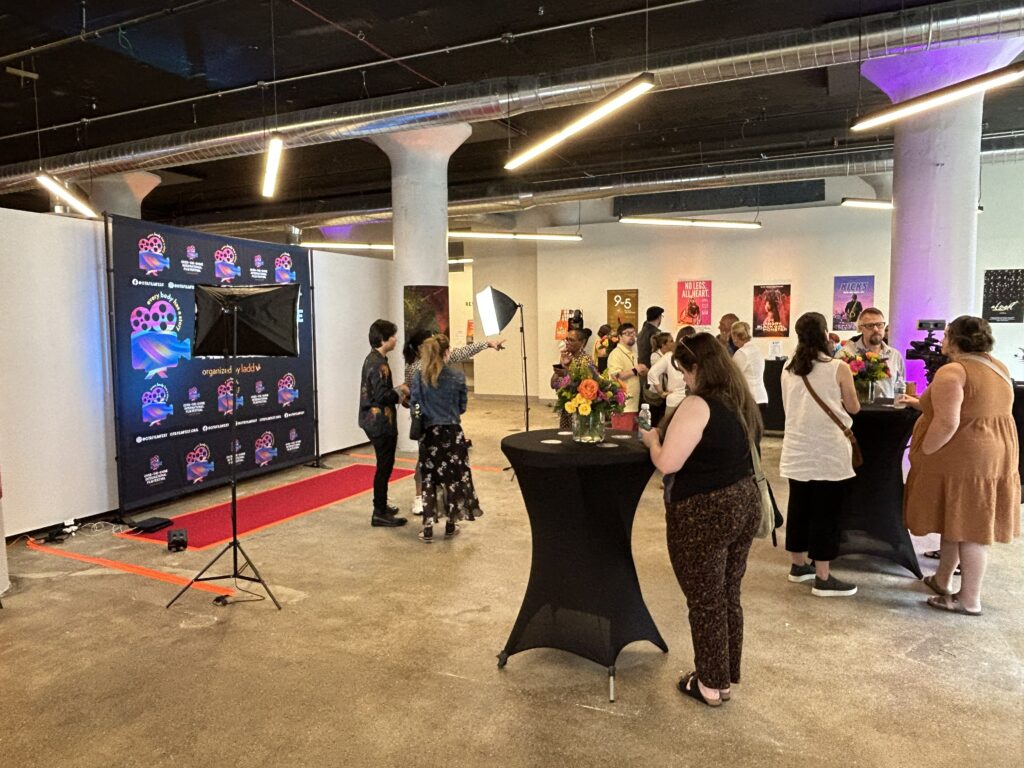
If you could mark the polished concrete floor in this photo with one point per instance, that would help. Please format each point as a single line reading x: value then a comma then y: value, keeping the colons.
x: 384, y: 654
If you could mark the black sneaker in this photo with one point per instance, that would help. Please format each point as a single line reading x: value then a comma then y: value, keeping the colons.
x: 427, y: 534
x: 832, y: 587
x: 799, y: 573
x: 386, y: 520
x: 450, y: 529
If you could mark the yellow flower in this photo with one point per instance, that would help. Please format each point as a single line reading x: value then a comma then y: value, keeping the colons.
x: 570, y: 407
x: 584, y: 409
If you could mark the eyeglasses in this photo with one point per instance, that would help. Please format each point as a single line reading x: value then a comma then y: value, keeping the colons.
x: 876, y: 326
x: 628, y: 333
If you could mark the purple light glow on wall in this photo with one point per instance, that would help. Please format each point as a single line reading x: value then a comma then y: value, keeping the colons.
x: 338, y: 232
x: 911, y: 74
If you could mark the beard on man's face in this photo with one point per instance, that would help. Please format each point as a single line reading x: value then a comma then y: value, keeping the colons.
x: 873, y: 338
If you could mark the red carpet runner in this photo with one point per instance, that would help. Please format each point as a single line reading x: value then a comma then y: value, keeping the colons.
x: 210, y: 526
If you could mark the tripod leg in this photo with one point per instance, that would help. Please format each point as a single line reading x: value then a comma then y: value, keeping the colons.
x: 198, y: 575
x: 259, y: 578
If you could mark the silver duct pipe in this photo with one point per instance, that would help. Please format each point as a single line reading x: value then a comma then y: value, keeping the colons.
x: 917, y: 29
x: 996, y: 148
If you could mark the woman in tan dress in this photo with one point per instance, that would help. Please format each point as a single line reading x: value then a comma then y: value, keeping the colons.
x: 963, y: 480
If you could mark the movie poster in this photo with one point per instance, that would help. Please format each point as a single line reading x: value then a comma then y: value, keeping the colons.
x: 693, y: 302
x: 771, y: 309
x: 426, y: 309
x: 174, y: 409
x: 850, y: 295
x: 623, y: 307
x: 1003, y: 296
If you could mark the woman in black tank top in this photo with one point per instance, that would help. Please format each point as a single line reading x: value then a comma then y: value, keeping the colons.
x: 712, y: 509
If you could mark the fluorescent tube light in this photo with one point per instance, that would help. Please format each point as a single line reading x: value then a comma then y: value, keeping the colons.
x: 708, y: 223
x: 633, y: 89
x: 867, y: 202
x: 275, y: 145
x: 465, y: 234
x: 460, y: 261
x: 53, y: 185
x: 338, y: 245
x: 942, y: 96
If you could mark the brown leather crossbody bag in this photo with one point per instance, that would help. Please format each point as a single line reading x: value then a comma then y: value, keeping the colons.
x: 858, y: 458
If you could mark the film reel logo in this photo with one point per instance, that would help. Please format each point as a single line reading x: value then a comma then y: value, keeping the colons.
x: 155, y: 405
x: 226, y: 397
x: 257, y: 261
x: 152, y: 258
x: 265, y: 451
x: 225, y: 266
x: 198, y: 464
x: 191, y: 253
x: 283, y: 272
x: 155, y: 344
x: 286, y: 391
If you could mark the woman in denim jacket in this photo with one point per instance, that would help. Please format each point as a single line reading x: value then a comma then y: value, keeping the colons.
x: 441, y: 393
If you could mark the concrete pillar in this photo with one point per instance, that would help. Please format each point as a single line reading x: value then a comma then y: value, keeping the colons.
x: 121, y: 193
x: 419, y: 198
x: 936, y: 171
x: 5, y: 581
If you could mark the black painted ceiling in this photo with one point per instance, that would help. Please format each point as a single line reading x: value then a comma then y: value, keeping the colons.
x: 206, y: 47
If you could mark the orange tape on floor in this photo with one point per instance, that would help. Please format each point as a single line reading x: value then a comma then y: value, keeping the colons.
x: 474, y: 467
x: 137, y: 570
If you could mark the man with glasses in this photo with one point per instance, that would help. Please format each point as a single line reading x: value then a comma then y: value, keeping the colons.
x: 871, y: 324
x: 624, y: 367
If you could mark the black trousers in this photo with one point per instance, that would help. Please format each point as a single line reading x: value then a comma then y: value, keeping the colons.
x: 812, y: 522
x: 384, y: 447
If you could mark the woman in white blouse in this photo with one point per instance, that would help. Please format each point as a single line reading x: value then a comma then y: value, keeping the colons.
x: 750, y: 361
x: 666, y: 378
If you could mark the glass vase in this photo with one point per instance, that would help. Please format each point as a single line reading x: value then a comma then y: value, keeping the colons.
x: 865, y: 391
x: 589, y: 428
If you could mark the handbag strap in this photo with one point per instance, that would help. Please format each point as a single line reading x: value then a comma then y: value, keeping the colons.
x: 755, y: 460
x: 831, y: 414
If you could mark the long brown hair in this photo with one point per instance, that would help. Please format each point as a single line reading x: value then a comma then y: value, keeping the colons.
x: 718, y: 377
x: 812, y: 343
x: 432, y: 352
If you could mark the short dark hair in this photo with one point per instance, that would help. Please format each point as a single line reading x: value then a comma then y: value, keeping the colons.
x: 870, y: 311
x: 582, y: 332
x: 653, y: 313
x: 604, y: 330
x: 625, y: 327
x: 411, y: 350
x: 381, y: 331
x: 971, y: 334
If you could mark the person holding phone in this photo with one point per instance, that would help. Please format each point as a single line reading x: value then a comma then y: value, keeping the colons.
x: 572, y: 354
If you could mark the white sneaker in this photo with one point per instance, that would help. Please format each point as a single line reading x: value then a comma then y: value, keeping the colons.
x: 417, y: 505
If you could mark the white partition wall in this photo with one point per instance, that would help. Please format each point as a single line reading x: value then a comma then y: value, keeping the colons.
x: 56, y: 418
x: 349, y: 293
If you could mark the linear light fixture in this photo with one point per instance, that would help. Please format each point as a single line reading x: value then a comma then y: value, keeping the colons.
x: 635, y: 88
x: 942, y: 96
x: 275, y: 146
x: 465, y: 234
x: 52, y: 184
x: 708, y: 223
x: 867, y: 202
x: 460, y: 261
x: 339, y: 245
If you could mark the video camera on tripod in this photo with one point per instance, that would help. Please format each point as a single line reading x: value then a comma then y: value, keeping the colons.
x: 929, y: 349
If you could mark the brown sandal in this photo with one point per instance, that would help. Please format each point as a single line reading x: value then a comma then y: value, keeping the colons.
x: 952, y: 606
x: 933, y: 585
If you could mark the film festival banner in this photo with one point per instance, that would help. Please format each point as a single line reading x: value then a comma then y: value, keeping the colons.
x: 849, y: 297
x: 1003, y: 296
x: 623, y: 308
x: 693, y: 302
x: 771, y: 310
x: 174, y: 410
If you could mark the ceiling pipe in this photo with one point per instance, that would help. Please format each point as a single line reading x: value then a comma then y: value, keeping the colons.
x: 860, y: 39
x: 997, y: 148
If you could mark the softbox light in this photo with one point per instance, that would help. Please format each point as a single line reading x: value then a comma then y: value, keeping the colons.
x: 496, y: 310
x: 266, y: 320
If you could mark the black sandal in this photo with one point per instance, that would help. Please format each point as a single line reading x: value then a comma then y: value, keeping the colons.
x: 688, y: 684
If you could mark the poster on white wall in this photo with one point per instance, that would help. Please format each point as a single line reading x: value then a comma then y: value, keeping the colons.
x: 693, y: 302
x: 1003, y: 296
x: 771, y: 309
x: 850, y: 295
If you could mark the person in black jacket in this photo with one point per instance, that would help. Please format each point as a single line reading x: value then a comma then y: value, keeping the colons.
x: 377, y: 418
x: 643, y: 339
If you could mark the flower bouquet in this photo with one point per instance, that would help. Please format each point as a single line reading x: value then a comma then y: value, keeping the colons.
x: 589, y: 397
x: 867, y: 367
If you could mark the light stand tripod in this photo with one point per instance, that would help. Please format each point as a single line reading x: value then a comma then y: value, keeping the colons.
x: 221, y: 303
x: 526, y: 390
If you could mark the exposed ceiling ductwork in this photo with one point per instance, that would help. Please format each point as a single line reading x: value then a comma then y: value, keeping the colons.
x: 917, y: 29
x: 868, y: 162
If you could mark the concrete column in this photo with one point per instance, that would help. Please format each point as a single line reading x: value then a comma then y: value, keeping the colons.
x: 5, y: 581
x: 936, y: 171
x: 419, y: 198
x: 121, y: 193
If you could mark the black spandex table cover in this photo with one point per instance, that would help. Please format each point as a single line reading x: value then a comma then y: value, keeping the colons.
x: 583, y: 595
x: 774, y: 416
x: 871, y: 521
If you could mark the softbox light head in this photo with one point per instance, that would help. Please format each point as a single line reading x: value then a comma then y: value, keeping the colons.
x: 496, y: 310
x: 266, y: 320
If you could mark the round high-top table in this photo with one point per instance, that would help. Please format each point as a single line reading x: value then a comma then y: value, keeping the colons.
x: 583, y: 595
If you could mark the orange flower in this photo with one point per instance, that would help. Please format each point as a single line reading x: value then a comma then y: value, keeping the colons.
x: 589, y: 389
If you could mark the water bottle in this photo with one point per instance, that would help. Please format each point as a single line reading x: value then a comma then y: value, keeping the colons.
x: 644, y: 421
x: 899, y: 390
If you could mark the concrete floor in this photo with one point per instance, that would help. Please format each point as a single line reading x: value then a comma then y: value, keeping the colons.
x: 384, y: 654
